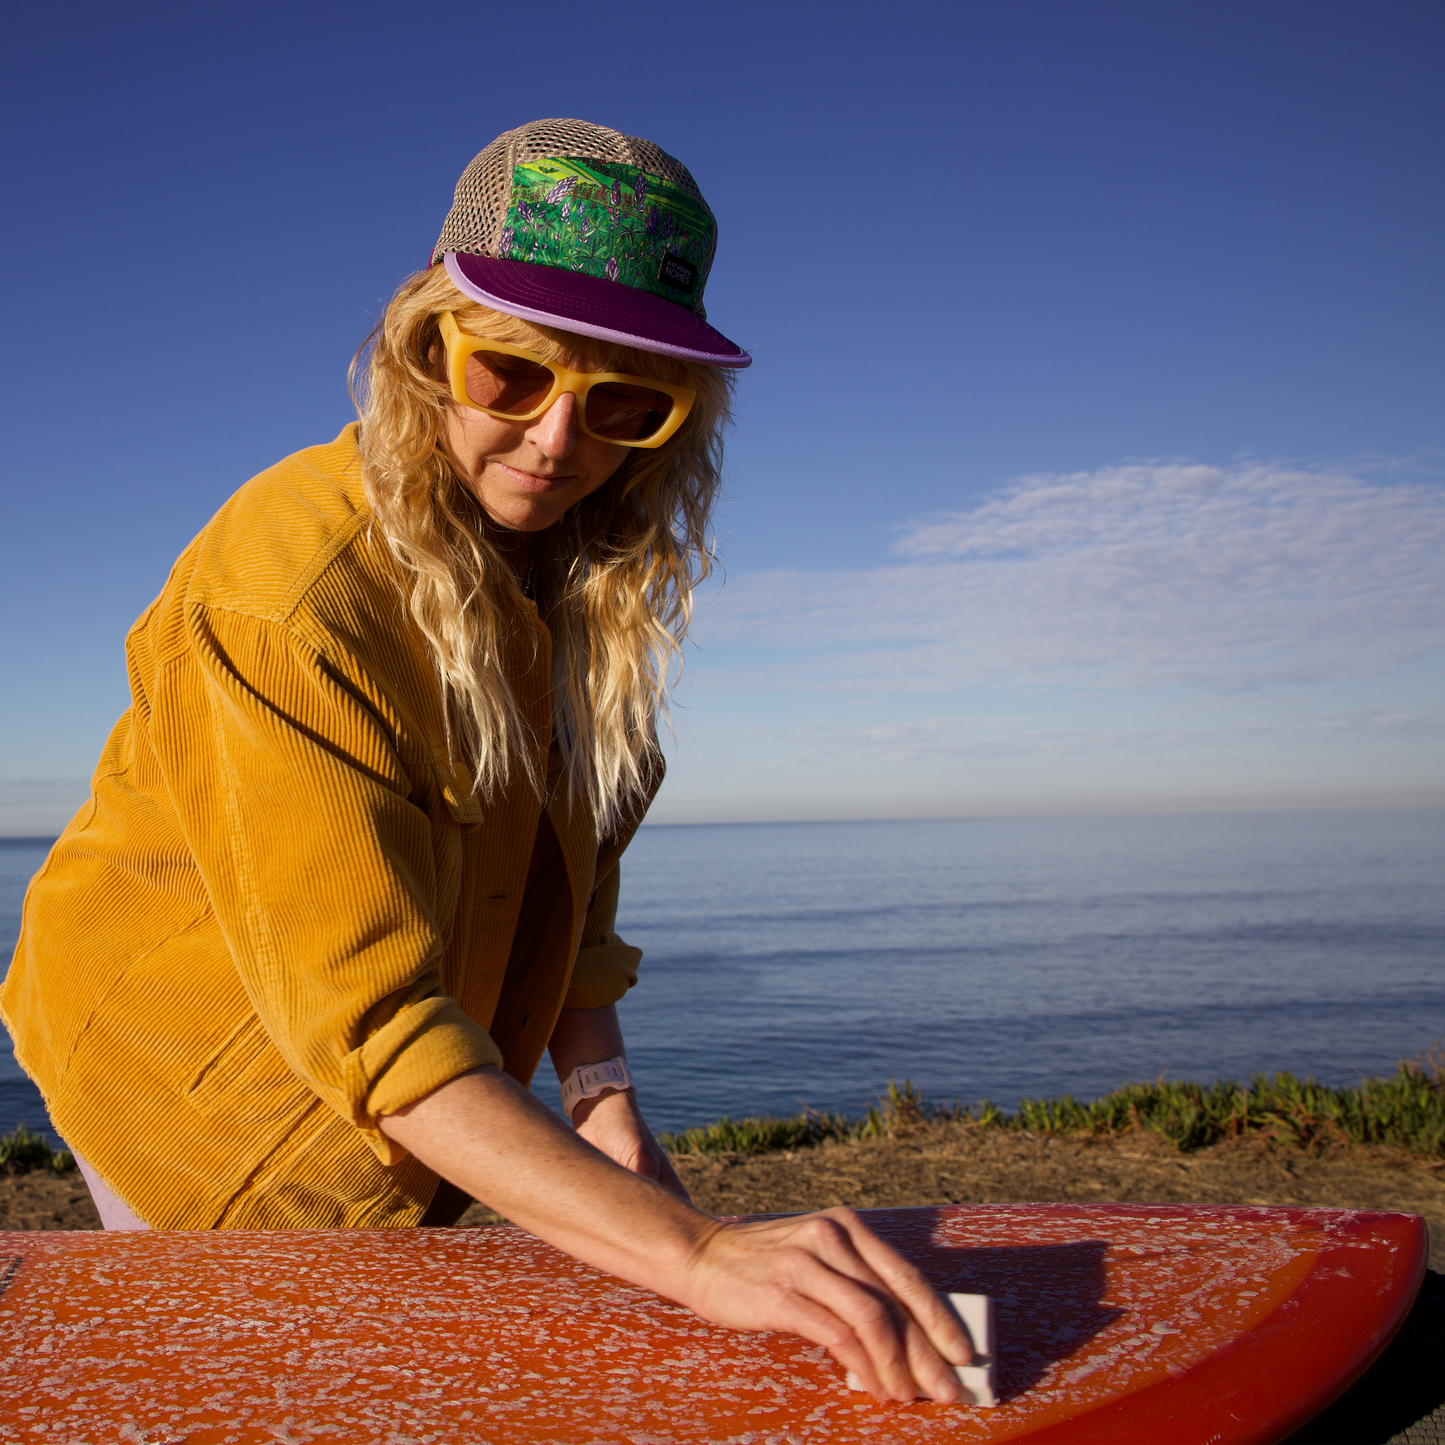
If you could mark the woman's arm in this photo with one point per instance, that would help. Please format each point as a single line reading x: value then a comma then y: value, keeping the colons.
x: 611, y: 1122
x: 823, y: 1276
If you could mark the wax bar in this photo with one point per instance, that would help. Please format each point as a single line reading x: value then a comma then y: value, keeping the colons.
x: 977, y: 1377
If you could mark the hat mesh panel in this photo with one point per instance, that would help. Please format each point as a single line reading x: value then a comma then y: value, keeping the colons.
x: 478, y: 215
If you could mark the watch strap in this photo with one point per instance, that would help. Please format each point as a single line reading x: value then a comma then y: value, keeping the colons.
x: 586, y: 1081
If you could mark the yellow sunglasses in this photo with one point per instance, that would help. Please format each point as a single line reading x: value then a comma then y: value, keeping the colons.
x: 514, y: 384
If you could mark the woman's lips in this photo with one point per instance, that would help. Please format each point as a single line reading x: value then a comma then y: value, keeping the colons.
x: 532, y: 482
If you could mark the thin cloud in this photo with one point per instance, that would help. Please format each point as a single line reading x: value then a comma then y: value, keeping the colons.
x: 1229, y: 579
x: 971, y: 738
x: 1022, y: 733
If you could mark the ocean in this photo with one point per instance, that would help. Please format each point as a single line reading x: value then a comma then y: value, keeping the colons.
x: 807, y: 964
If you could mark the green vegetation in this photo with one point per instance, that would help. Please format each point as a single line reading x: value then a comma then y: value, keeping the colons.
x: 1404, y: 1111
x: 760, y: 1134
x: 22, y: 1150
x: 763, y: 1134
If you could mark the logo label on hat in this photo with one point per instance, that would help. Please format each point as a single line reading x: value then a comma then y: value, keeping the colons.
x: 610, y: 220
x: 674, y: 271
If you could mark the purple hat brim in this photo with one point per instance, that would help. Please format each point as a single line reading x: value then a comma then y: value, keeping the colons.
x: 591, y: 306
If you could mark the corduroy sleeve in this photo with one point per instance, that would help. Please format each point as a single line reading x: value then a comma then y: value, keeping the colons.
x: 323, y: 875
x: 606, y: 967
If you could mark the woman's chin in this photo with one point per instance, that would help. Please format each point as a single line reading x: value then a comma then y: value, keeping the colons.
x: 521, y: 514
x: 529, y: 519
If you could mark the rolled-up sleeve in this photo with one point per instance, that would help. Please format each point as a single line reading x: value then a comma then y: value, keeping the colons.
x: 606, y: 967
x: 284, y: 768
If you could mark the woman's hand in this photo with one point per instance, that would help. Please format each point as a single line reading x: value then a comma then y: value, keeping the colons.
x: 823, y: 1276
x: 829, y: 1278
x: 613, y: 1123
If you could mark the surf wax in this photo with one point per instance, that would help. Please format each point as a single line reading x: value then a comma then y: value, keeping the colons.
x: 977, y: 1377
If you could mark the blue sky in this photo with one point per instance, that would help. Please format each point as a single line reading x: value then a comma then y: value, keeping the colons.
x: 1093, y: 453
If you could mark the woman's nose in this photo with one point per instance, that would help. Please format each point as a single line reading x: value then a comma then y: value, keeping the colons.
x: 555, y: 431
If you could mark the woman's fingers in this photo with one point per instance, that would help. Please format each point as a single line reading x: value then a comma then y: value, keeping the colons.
x: 929, y: 1365
x: 905, y: 1283
x: 857, y: 1252
x: 817, y: 1281
x: 902, y: 1356
x: 880, y: 1331
x: 781, y: 1291
x: 803, y: 1316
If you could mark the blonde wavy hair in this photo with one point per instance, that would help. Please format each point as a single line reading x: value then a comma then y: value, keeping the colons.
x: 621, y: 564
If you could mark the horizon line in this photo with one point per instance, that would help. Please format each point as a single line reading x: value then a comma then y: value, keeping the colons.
x: 1123, y: 811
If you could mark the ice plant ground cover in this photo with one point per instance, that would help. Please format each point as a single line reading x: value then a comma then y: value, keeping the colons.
x: 1404, y: 1111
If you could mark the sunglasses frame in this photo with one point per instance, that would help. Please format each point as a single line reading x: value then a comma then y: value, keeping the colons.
x: 460, y: 346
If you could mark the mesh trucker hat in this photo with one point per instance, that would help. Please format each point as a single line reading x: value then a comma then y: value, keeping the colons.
x: 580, y: 227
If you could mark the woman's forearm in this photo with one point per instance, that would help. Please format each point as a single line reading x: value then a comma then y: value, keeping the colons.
x: 585, y: 1036
x: 493, y: 1138
x: 610, y: 1120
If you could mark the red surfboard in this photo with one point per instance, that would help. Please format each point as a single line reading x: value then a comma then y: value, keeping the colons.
x: 1115, y: 1323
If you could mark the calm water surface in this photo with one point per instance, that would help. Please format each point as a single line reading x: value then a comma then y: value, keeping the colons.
x: 807, y: 963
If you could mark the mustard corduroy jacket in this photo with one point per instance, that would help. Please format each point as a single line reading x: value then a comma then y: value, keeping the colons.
x: 282, y: 913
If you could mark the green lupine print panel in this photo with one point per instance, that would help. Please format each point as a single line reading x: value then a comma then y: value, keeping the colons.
x: 609, y: 220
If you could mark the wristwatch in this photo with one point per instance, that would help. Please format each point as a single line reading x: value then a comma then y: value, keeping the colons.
x: 586, y: 1081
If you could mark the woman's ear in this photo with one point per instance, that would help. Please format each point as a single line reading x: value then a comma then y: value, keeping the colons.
x: 436, y: 353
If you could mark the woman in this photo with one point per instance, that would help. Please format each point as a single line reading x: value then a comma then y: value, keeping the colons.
x: 350, y: 863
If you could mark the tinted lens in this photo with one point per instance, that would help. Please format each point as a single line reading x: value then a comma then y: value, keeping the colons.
x: 506, y: 383
x: 623, y: 412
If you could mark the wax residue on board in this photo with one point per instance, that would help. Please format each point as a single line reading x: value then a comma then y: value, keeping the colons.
x: 440, y: 1336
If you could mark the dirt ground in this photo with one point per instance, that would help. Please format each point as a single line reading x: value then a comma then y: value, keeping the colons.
x: 949, y: 1163
x: 952, y: 1163
x: 43, y: 1201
